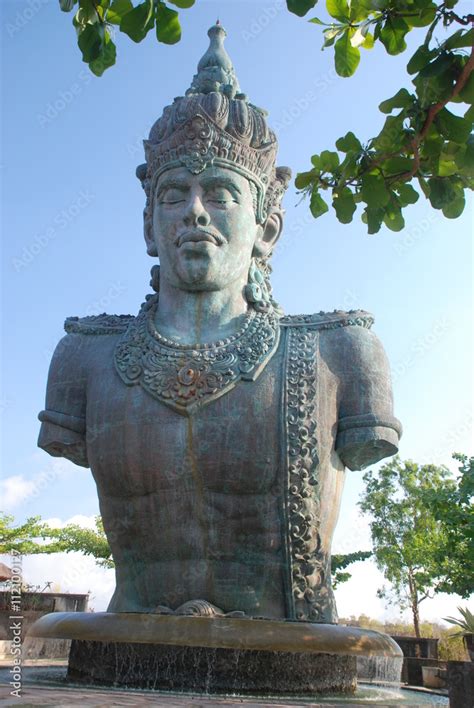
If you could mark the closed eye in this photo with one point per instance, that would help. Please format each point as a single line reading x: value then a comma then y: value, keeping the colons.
x: 221, y: 196
x: 172, y: 196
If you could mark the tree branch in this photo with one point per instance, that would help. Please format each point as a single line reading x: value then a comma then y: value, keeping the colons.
x: 433, y: 112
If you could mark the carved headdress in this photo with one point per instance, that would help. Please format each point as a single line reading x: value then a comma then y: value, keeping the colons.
x: 214, y: 123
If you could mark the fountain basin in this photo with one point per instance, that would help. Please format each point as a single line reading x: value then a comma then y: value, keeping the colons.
x: 215, y: 654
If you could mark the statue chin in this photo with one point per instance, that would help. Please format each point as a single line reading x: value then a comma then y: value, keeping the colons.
x: 202, y: 273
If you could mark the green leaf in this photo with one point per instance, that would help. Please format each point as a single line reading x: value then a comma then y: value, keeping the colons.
x: 466, y: 94
x: 316, y: 162
x: 317, y: 21
x: 434, y: 88
x: 369, y: 41
x: 373, y: 218
x: 106, y: 58
x: 117, y: 10
x: 317, y: 205
x: 358, y: 11
x: 392, y: 135
x: 344, y: 205
x: 438, y: 66
x: 348, y: 142
x: 397, y: 165
x: 461, y: 38
x: 347, y: 57
x: 67, y: 5
x: 402, y: 99
x: 420, y: 59
x: 453, y: 127
x: 89, y: 11
x: 392, y: 35
x: 425, y: 17
x: 90, y: 42
x: 442, y: 192
x: 455, y: 208
x: 329, y: 161
x: 330, y: 35
x: 393, y: 218
x: 168, y: 29
x: 183, y: 4
x: 373, y: 190
x: 407, y: 195
x: 465, y: 160
x: 300, y: 7
x: 339, y: 9
x: 304, y: 179
x: 360, y: 35
x: 139, y: 21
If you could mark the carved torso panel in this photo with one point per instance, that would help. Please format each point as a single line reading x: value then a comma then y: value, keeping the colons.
x: 235, y: 501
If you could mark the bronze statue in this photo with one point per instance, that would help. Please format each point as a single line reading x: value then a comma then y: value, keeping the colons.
x: 217, y: 429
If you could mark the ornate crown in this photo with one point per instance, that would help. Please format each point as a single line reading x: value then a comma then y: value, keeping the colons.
x: 214, y: 124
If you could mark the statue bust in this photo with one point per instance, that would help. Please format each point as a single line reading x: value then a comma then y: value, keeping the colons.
x: 218, y: 430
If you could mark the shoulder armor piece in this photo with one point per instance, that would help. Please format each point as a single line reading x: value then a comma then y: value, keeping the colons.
x: 329, y: 320
x: 98, y: 324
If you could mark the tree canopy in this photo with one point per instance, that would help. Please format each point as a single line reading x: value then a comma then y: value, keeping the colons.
x: 414, y: 514
x: 423, y: 146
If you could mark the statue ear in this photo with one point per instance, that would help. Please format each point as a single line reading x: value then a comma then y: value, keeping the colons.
x: 148, y: 232
x: 268, y: 234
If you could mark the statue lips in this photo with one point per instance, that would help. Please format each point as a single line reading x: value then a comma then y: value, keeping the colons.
x: 200, y: 236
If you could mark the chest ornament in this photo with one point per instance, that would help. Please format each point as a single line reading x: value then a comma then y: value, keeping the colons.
x: 186, y: 377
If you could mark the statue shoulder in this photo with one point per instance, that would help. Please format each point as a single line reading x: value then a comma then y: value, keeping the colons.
x: 330, y: 320
x: 98, y: 324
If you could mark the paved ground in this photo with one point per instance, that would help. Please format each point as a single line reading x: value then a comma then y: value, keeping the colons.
x: 43, y: 685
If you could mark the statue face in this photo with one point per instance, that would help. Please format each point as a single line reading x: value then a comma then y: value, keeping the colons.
x: 204, y: 228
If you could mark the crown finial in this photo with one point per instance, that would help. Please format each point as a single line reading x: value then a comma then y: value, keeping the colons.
x: 215, y: 70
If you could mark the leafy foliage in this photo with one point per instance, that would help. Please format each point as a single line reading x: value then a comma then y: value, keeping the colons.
x: 407, y: 536
x: 450, y: 647
x: 453, y: 509
x: 423, y: 147
x: 35, y: 536
x: 94, y: 21
x: 341, y: 561
x: 466, y: 623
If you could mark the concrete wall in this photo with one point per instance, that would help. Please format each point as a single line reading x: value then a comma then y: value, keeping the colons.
x: 33, y: 606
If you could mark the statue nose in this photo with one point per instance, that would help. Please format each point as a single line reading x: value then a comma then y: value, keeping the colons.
x: 196, y: 214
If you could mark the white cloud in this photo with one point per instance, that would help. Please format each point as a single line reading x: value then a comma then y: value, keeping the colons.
x: 16, y: 489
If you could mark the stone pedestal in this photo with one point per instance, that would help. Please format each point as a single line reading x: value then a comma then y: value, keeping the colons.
x: 214, y: 654
x: 461, y: 684
x: 206, y: 670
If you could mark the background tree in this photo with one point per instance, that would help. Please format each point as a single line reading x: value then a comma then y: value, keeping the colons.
x: 408, y: 537
x: 452, y: 507
x: 339, y: 563
x: 35, y: 536
x: 423, y: 147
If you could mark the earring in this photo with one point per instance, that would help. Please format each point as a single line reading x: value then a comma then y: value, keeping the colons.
x: 155, y: 278
x: 256, y: 291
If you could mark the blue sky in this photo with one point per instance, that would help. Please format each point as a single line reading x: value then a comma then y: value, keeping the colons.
x: 73, y: 245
